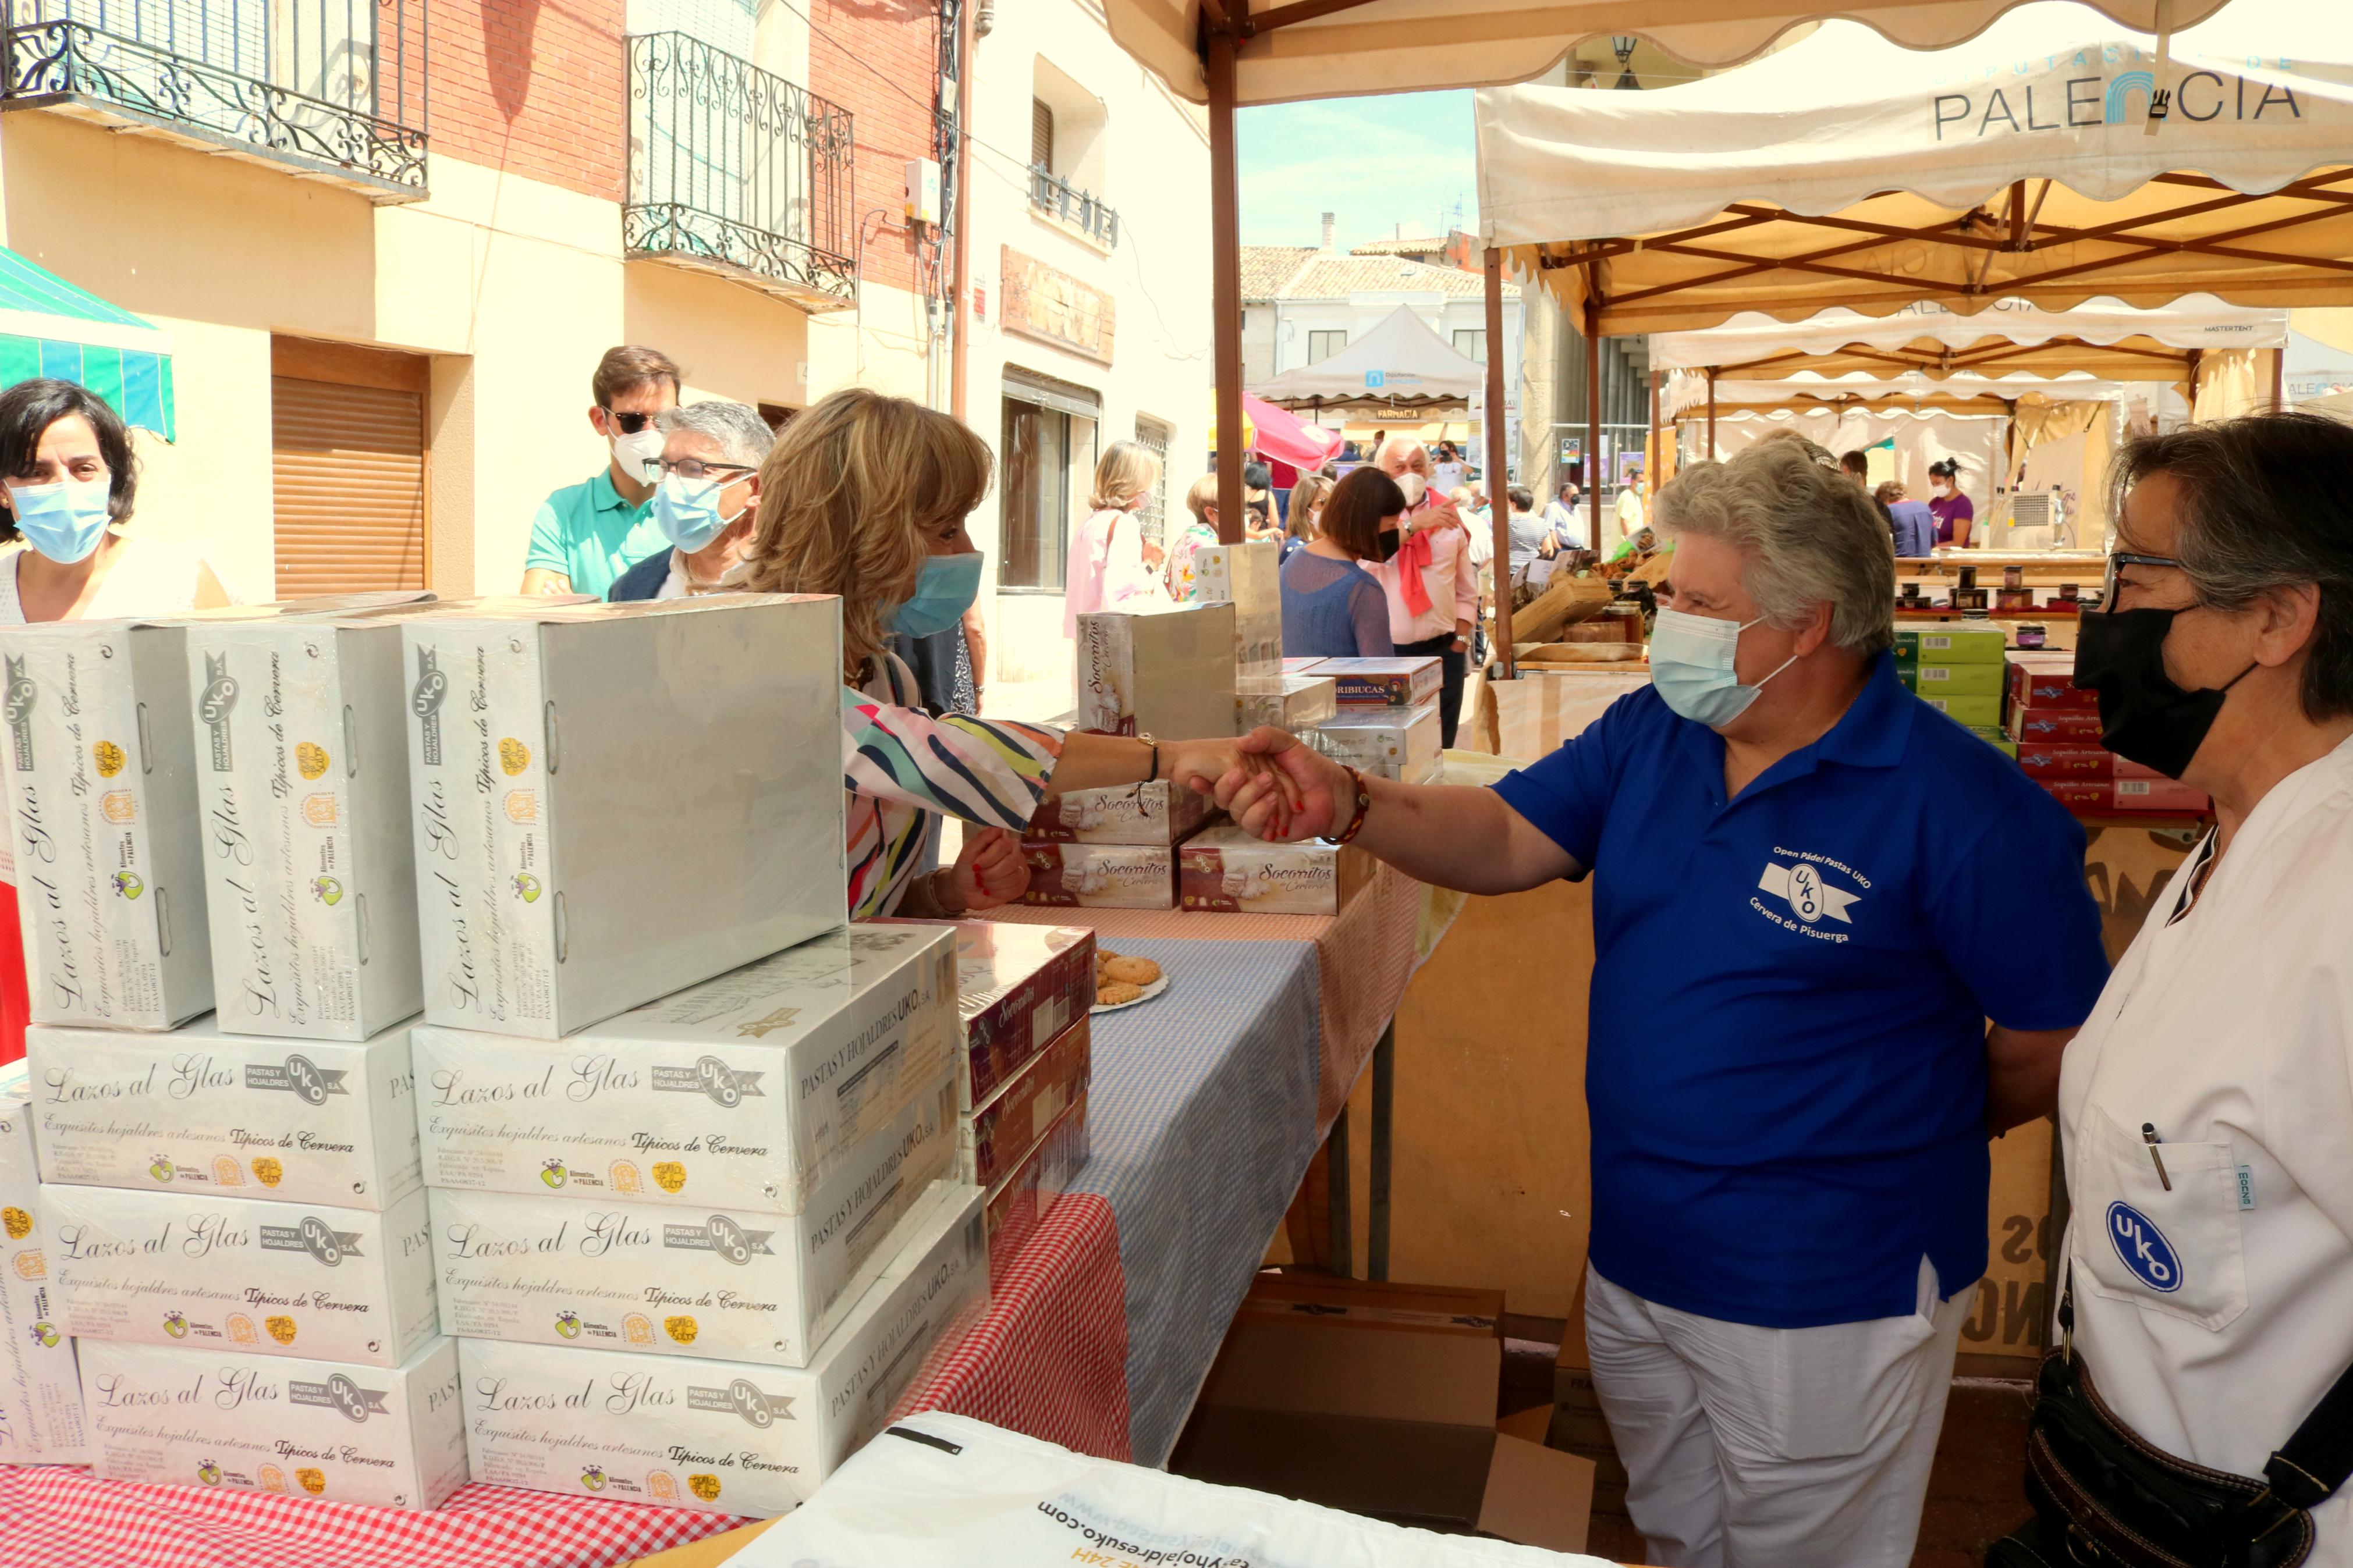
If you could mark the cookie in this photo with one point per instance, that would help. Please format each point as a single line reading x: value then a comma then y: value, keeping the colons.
x: 1133, y: 971
x: 1111, y: 993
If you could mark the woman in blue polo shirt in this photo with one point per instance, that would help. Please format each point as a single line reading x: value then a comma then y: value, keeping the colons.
x: 1812, y: 891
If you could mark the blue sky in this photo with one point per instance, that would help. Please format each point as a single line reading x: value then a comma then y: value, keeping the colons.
x: 1374, y: 161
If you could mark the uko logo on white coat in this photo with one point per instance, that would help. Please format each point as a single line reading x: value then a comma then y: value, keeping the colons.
x: 2144, y: 1249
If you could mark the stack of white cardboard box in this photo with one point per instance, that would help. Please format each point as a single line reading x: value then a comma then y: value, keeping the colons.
x: 690, y: 1141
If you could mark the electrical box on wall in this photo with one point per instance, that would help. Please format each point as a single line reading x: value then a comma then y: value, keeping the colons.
x: 922, y: 191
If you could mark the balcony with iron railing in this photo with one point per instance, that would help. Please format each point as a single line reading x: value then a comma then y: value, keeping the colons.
x: 737, y: 171
x: 1064, y: 203
x: 333, y: 88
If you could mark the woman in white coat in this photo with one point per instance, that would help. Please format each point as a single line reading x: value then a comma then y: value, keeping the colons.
x: 2207, y: 1105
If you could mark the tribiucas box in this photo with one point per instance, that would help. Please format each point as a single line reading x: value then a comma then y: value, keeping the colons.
x: 315, y: 1121
x: 1019, y: 987
x: 1290, y: 702
x: 615, y: 802
x: 1162, y: 811
x: 1226, y: 869
x: 302, y: 780
x: 744, y: 1093
x: 196, y: 1416
x: 729, y: 1436
x: 40, y: 1399
x: 1400, y: 743
x: 1249, y: 578
x: 243, y: 1275
x: 1168, y: 671
x: 107, y: 837
x: 1101, y: 876
x: 1383, y: 682
x: 739, y: 1285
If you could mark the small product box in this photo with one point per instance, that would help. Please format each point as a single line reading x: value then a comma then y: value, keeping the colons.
x: 302, y: 779
x: 1101, y: 876
x: 1299, y: 666
x: 242, y: 1276
x: 2160, y: 795
x: 620, y: 1273
x: 1019, y: 1203
x: 729, y: 1436
x: 1164, y: 671
x: 1383, y: 682
x: 2073, y: 763
x: 2047, y: 683
x: 994, y: 1139
x: 1291, y: 702
x: 1951, y: 642
x: 1392, y: 743
x: 194, y: 1415
x: 1955, y: 679
x: 1977, y: 712
x: 613, y: 803
x: 2055, y: 726
x: 1162, y: 811
x: 40, y: 1398
x: 1224, y: 869
x: 107, y: 838
x: 744, y: 1093
x: 1019, y: 986
x: 311, y: 1121
x: 1249, y: 578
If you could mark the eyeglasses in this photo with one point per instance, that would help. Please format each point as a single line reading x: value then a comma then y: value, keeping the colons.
x: 696, y: 468
x: 631, y: 424
x: 2120, y: 559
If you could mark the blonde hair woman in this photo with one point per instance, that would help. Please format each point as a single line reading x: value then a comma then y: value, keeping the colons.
x: 1109, y: 563
x: 1307, y: 498
x: 865, y: 497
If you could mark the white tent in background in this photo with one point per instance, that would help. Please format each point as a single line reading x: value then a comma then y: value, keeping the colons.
x: 1687, y: 392
x: 1400, y: 364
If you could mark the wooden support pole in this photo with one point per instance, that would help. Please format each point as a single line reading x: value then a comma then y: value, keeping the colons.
x: 1710, y: 457
x: 1225, y: 282
x: 1651, y: 464
x: 2279, y: 380
x: 1593, y: 469
x: 1498, y: 470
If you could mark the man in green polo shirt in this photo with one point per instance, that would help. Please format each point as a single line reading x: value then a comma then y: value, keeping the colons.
x: 589, y: 533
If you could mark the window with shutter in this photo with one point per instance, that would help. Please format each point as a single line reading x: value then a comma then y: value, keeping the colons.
x: 1042, y: 135
x: 349, y: 458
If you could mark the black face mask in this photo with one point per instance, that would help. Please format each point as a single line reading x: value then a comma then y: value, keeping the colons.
x: 1392, y: 540
x: 2144, y: 717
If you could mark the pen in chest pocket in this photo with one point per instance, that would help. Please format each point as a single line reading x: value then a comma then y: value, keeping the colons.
x: 2148, y: 1136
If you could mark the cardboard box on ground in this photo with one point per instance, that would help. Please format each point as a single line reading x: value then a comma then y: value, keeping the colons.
x: 1380, y: 1399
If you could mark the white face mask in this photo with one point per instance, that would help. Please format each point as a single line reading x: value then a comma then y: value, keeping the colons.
x: 1415, y: 486
x: 637, y: 454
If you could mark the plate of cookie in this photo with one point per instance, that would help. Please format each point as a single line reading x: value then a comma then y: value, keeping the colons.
x: 1122, y: 981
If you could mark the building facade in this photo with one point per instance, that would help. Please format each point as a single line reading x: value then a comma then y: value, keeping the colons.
x: 390, y: 244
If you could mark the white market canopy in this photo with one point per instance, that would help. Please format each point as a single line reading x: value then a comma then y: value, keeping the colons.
x: 2011, y: 336
x: 1687, y: 393
x: 1845, y: 171
x: 1400, y: 364
x: 1293, y: 50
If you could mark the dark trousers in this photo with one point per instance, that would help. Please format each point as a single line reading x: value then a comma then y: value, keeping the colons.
x: 1449, y: 695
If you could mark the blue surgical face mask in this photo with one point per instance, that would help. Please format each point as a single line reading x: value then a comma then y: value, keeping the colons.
x: 64, y: 520
x: 687, y: 511
x: 942, y: 593
x: 1691, y: 663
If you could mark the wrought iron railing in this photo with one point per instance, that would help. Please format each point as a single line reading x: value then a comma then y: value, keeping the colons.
x: 333, y: 85
x: 1058, y: 198
x: 736, y: 168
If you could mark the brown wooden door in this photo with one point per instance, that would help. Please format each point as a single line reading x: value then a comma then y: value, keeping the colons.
x: 347, y: 429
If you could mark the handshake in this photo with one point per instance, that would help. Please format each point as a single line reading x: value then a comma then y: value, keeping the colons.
x: 1273, y: 785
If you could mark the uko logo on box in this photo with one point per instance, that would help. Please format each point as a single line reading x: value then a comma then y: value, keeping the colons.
x: 2144, y: 1248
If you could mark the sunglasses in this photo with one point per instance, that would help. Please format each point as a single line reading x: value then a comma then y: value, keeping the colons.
x: 631, y: 424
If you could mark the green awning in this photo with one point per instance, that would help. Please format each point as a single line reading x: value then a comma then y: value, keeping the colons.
x: 48, y: 327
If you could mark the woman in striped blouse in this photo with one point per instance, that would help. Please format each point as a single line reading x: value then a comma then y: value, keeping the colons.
x: 865, y: 497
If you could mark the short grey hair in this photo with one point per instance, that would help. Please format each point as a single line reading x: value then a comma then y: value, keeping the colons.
x: 1806, y: 535
x: 2263, y: 507
x: 736, y: 428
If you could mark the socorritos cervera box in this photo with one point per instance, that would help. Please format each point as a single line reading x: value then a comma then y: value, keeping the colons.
x: 623, y: 1274
x: 242, y: 1275
x: 729, y: 1436
x: 1162, y: 811
x: 1019, y: 987
x: 40, y: 1400
x: 199, y: 1416
x: 613, y: 803
x: 315, y: 1121
x: 1168, y: 671
x: 744, y: 1093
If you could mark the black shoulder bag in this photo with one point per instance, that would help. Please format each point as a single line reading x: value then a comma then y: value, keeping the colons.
x: 2104, y: 1498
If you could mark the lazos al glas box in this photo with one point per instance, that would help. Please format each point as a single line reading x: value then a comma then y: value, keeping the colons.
x: 40, y: 1398
x: 746, y: 1092
x: 612, y: 803
x: 311, y: 1121
x: 729, y: 1437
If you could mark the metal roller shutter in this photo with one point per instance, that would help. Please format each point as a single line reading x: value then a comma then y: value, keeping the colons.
x: 349, y: 463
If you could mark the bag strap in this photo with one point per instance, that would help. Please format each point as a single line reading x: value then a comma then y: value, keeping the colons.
x: 2311, y: 1466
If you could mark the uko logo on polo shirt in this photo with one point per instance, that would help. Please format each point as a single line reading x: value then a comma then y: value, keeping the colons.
x: 1805, y: 888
